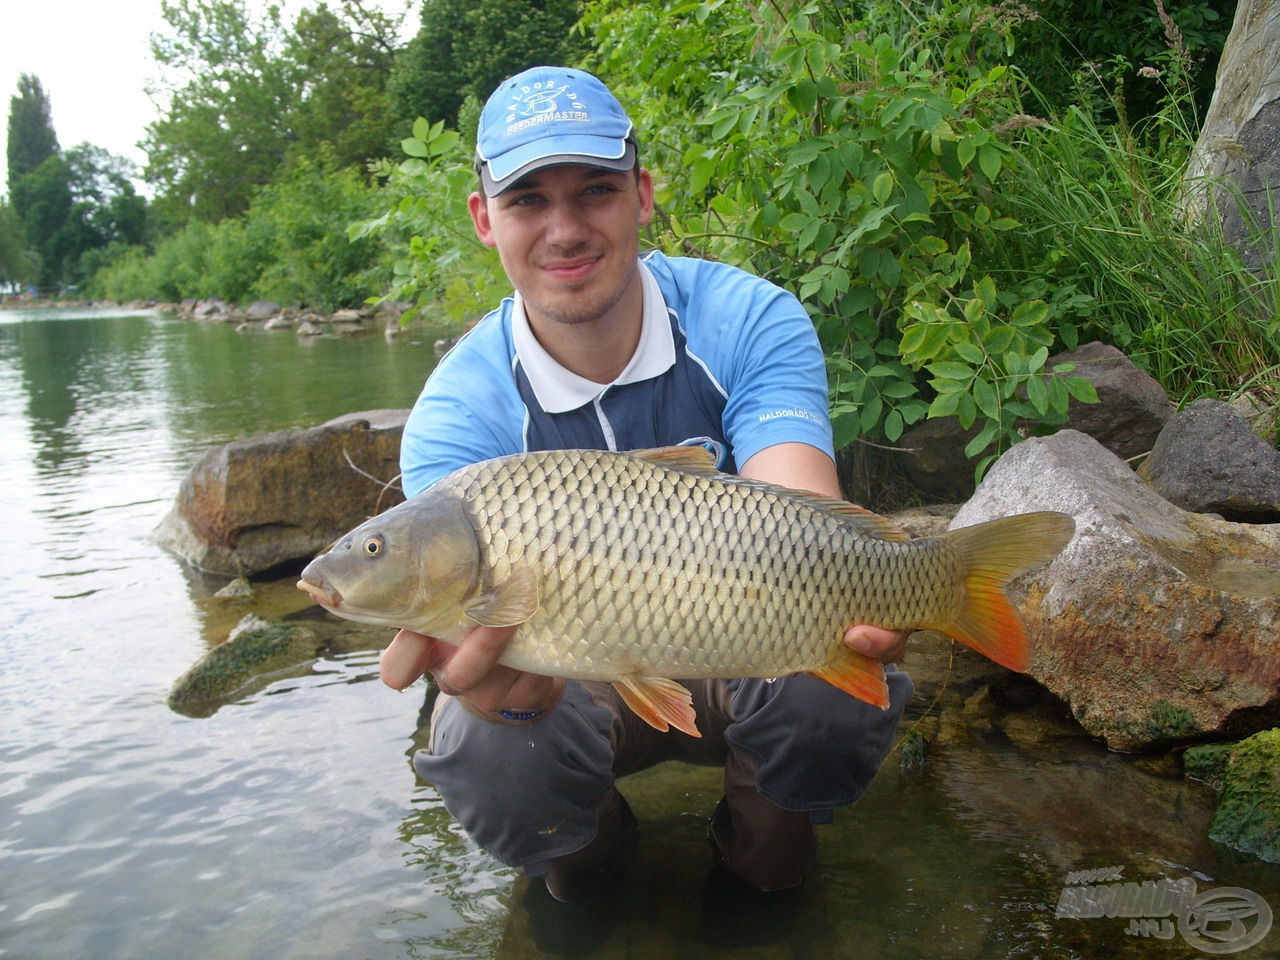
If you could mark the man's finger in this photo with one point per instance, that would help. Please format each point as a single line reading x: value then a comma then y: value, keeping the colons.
x: 476, y: 656
x: 407, y: 657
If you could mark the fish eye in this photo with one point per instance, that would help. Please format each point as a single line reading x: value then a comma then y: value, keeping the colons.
x: 373, y: 545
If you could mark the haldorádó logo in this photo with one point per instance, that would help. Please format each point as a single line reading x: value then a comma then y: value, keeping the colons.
x: 1218, y: 921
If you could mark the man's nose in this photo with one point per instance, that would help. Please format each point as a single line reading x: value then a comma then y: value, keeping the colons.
x: 566, y: 224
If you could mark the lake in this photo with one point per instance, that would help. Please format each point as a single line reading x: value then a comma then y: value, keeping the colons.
x: 290, y: 824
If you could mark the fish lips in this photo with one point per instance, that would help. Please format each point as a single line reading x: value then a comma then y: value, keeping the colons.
x: 320, y: 590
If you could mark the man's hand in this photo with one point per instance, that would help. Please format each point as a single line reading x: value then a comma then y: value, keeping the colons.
x: 470, y: 671
x: 887, y: 646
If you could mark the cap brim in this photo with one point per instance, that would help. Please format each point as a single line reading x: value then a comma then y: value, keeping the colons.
x: 592, y: 155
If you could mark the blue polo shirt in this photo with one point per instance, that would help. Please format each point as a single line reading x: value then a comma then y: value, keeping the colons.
x: 725, y: 359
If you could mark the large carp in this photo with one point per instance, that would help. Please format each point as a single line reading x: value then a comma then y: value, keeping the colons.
x: 639, y: 567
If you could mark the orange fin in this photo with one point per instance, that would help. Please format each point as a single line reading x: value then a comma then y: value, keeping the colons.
x: 511, y: 602
x: 659, y: 702
x: 992, y: 554
x: 857, y: 675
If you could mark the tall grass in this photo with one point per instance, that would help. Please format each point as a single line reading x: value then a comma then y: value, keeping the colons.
x: 1102, y: 212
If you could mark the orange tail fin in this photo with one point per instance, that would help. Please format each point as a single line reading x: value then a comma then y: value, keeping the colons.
x: 992, y: 554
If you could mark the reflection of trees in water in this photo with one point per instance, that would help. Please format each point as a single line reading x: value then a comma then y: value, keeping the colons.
x: 72, y: 366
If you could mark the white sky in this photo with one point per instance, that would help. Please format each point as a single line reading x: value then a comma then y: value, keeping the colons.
x: 93, y: 59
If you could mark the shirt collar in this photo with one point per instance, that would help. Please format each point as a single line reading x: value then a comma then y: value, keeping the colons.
x: 559, y: 390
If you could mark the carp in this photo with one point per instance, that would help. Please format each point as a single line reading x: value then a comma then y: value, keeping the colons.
x: 637, y: 568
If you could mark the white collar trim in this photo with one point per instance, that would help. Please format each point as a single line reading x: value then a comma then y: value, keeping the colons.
x: 560, y: 390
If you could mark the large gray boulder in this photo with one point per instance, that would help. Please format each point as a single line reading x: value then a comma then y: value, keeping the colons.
x: 253, y: 504
x: 1208, y: 460
x: 1156, y: 626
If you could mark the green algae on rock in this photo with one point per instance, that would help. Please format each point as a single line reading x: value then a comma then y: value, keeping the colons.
x: 1248, y: 814
x: 255, y: 647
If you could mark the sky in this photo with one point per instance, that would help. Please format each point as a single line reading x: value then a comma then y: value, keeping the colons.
x: 93, y: 58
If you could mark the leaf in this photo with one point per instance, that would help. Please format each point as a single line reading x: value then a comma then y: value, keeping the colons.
x: 1030, y: 314
x: 803, y: 96
x: 415, y: 147
x: 1082, y: 389
x: 950, y: 370
x: 882, y: 187
x: 989, y: 160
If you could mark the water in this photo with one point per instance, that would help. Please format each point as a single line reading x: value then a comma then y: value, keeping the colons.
x: 290, y: 824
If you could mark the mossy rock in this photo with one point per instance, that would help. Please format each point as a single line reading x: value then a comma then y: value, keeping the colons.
x: 253, y: 650
x: 1248, y: 814
x: 1208, y: 763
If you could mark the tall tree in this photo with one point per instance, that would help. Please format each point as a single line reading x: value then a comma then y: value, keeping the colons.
x: 244, y: 92
x: 32, y: 140
x: 466, y: 48
x: 224, y: 133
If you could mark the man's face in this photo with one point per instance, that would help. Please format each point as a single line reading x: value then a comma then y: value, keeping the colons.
x: 568, y: 238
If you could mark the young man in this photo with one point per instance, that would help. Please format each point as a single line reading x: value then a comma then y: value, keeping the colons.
x: 600, y: 347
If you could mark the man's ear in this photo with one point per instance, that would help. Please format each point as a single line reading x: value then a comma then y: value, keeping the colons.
x: 478, y: 207
x: 644, y: 183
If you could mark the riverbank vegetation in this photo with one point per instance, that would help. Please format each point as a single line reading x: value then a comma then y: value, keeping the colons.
x: 955, y: 190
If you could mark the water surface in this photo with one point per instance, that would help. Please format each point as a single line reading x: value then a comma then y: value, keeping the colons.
x: 289, y: 823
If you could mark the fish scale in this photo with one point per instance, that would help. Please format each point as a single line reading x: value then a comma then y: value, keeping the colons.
x: 641, y: 567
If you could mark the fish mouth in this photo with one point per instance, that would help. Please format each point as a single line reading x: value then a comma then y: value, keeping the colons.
x: 319, y: 591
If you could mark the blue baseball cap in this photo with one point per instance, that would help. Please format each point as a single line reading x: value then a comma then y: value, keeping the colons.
x: 550, y: 115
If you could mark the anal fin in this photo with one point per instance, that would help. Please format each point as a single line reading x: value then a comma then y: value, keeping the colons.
x: 659, y: 702
x: 857, y: 675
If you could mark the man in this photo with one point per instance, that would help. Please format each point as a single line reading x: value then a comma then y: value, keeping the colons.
x: 602, y: 348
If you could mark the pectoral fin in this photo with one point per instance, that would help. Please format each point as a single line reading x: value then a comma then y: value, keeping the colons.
x: 659, y: 702
x: 856, y: 675
x: 511, y: 602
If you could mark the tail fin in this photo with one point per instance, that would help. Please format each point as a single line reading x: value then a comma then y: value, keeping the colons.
x: 992, y: 554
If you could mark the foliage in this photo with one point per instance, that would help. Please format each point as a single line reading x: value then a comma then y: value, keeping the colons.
x: 1103, y: 220
x: 441, y: 269
x: 245, y: 93
x: 32, y: 139
x: 465, y: 48
x: 858, y: 168
x: 1073, y: 49
x: 291, y: 247
x: 18, y: 264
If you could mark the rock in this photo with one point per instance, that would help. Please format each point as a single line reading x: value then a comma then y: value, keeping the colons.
x: 279, y: 322
x: 1131, y: 410
x: 308, y: 328
x: 256, y: 647
x: 1209, y: 460
x: 1156, y: 626
x: 238, y: 589
x: 252, y: 504
x: 347, y: 316
x: 261, y: 310
x: 1248, y: 814
x: 1132, y: 407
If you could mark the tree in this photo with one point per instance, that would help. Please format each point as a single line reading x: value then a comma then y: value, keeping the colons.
x: 32, y: 140
x: 18, y: 264
x: 1239, y: 143
x: 465, y: 48
x: 223, y: 134
x: 245, y: 94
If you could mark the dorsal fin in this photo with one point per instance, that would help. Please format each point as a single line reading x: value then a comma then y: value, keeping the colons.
x: 699, y: 461
x: 690, y: 459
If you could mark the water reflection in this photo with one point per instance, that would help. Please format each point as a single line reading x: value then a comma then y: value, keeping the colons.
x: 288, y: 823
